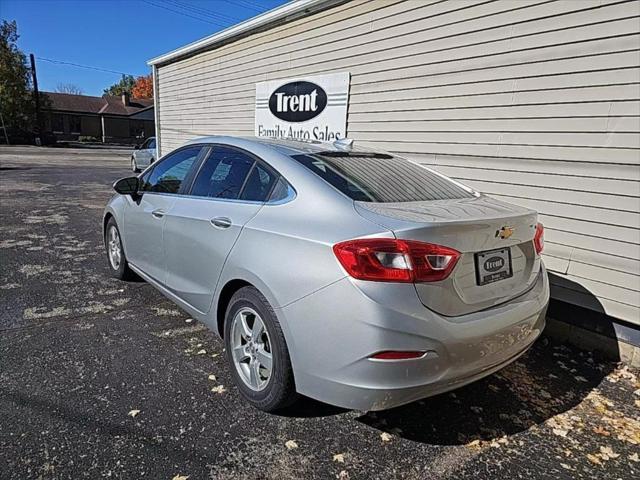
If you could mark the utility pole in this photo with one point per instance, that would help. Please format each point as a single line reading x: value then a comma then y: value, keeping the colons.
x: 36, y: 96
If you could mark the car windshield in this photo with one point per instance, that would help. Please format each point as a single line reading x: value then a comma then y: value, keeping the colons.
x: 377, y: 177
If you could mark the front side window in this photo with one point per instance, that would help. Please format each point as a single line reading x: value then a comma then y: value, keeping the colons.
x: 152, y: 144
x: 374, y: 177
x: 168, y: 175
x: 223, y: 174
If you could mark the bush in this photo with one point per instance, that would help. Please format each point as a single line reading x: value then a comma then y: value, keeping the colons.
x: 87, y: 138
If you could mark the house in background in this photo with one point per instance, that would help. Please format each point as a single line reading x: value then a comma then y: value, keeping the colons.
x: 105, y: 119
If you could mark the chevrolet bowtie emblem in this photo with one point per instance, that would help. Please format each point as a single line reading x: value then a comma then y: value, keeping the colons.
x: 505, y: 232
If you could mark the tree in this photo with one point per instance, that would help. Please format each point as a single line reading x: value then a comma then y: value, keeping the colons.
x: 69, y: 88
x: 125, y: 85
x: 143, y: 87
x: 16, y: 96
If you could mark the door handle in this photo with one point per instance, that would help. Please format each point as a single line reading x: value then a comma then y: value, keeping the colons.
x: 158, y: 213
x: 221, y: 222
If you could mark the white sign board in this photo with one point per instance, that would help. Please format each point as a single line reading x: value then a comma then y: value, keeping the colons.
x: 304, y: 108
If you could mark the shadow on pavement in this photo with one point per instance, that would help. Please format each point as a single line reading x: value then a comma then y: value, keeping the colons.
x: 306, y: 407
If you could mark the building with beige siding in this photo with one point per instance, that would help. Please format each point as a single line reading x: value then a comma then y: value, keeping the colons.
x: 533, y: 102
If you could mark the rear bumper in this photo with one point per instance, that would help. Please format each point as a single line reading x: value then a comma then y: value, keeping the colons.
x: 332, y: 333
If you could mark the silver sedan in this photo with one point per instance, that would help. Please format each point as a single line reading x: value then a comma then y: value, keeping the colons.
x: 354, y: 277
x: 143, y: 155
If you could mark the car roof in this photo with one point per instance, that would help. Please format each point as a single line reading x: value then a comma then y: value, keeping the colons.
x: 284, y: 146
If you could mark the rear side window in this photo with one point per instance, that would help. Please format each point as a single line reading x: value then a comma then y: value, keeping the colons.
x: 223, y: 174
x: 381, y: 178
x: 280, y: 191
x: 258, y: 184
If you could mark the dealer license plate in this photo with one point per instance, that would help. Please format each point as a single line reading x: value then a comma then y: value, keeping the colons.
x: 493, y: 265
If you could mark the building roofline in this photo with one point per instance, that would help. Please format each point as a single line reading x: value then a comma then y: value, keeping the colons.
x: 285, y: 13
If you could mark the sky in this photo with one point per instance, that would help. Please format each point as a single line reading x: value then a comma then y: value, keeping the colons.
x: 120, y: 36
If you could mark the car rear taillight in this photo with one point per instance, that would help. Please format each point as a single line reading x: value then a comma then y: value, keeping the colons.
x: 538, y: 239
x: 394, y: 260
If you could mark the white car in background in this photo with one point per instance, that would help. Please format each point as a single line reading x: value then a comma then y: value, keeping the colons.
x: 143, y: 155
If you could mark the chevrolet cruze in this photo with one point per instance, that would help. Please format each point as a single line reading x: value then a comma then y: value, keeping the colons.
x: 354, y: 277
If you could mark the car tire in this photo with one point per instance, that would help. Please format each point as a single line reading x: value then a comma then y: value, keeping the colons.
x: 279, y: 391
x: 134, y: 167
x: 113, y: 243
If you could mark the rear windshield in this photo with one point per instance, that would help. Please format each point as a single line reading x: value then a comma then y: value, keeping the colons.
x: 380, y: 178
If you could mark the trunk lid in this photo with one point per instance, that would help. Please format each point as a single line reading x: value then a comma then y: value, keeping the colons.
x: 488, y: 233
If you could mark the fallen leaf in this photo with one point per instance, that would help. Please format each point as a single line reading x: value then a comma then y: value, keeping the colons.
x: 560, y: 432
x: 601, y: 431
x: 338, y: 457
x: 133, y: 413
x: 385, y: 437
x: 565, y: 466
x: 607, y: 451
x: 581, y: 379
x: 219, y: 389
x: 593, y: 459
x: 473, y: 444
x: 212, y: 377
x: 290, y: 444
x: 343, y: 475
x: 634, y: 457
x: 201, y: 352
x: 189, y: 320
x: 180, y: 477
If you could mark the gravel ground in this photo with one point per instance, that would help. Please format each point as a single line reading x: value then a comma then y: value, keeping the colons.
x: 101, y: 378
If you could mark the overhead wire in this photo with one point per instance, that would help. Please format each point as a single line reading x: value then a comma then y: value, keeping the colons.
x: 200, y: 18
x: 62, y: 62
x: 201, y: 11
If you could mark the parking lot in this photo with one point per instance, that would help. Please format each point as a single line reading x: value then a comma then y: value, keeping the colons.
x: 100, y: 378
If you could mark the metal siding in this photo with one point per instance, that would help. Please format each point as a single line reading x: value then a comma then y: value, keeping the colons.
x: 536, y: 102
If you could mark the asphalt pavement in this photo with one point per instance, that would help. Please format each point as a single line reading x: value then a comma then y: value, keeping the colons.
x: 107, y: 379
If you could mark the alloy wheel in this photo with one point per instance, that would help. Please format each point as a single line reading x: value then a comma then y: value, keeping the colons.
x: 251, y: 349
x: 114, y: 248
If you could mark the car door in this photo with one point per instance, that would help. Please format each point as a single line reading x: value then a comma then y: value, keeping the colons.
x: 151, y: 151
x: 145, y: 216
x: 201, y: 228
x: 140, y: 155
x: 145, y: 154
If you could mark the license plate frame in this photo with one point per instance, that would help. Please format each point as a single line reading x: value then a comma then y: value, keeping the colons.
x: 485, y: 276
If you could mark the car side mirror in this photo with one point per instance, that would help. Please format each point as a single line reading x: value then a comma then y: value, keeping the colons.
x: 127, y: 186
x: 136, y: 147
